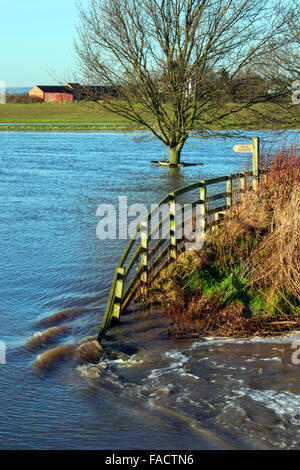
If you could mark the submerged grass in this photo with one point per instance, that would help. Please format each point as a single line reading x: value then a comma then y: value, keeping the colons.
x: 246, y: 279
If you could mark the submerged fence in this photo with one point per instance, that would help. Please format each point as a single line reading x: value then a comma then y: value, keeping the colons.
x: 154, y: 246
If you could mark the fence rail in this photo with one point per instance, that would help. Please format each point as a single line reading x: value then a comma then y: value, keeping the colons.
x: 146, y: 255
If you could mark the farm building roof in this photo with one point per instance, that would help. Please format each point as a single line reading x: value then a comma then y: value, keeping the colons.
x: 54, y: 89
x: 69, y: 84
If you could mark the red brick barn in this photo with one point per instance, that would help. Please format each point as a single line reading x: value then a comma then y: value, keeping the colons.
x: 52, y: 94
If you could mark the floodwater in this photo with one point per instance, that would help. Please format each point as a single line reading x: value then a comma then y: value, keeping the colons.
x: 155, y: 392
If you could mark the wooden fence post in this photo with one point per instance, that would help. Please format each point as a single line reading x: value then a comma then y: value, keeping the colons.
x: 118, y: 294
x: 217, y: 218
x: 242, y: 185
x: 255, y: 163
x: 229, y: 191
x: 144, y: 257
x: 173, y: 239
x: 203, y: 207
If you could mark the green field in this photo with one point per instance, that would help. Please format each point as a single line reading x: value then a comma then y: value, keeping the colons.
x: 85, y: 116
x: 56, y: 113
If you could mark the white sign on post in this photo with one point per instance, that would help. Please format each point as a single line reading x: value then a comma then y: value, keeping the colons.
x: 243, y: 148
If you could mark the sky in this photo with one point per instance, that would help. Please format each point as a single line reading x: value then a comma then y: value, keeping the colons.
x: 36, y: 41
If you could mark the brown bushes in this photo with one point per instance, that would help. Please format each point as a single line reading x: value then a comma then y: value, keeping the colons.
x: 277, y: 261
x: 23, y: 98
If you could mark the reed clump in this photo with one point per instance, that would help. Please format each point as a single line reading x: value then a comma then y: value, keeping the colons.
x: 246, y: 279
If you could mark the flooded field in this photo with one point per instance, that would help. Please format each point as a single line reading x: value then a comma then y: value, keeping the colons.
x: 55, y: 276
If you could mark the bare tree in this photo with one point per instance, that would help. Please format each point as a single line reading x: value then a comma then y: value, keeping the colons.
x: 286, y: 55
x: 164, y: 57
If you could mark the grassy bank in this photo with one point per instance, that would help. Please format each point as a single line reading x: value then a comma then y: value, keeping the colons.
x: 67, y: 128
x: 246, y: 279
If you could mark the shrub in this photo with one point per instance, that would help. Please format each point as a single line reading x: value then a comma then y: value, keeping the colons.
x: 23, y: 98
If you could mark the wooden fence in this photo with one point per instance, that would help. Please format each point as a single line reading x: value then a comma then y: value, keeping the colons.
x: 150, y: 250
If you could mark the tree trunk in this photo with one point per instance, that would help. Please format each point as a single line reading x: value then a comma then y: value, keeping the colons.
x: 174, y: 154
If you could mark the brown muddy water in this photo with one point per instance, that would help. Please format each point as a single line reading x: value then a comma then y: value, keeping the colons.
x: 149, y: 391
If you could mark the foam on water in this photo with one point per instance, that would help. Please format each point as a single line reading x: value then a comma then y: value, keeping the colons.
x: 214, y: 341
x: 131, y: 362
x: 51, y: 334
x: 174, y: 367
